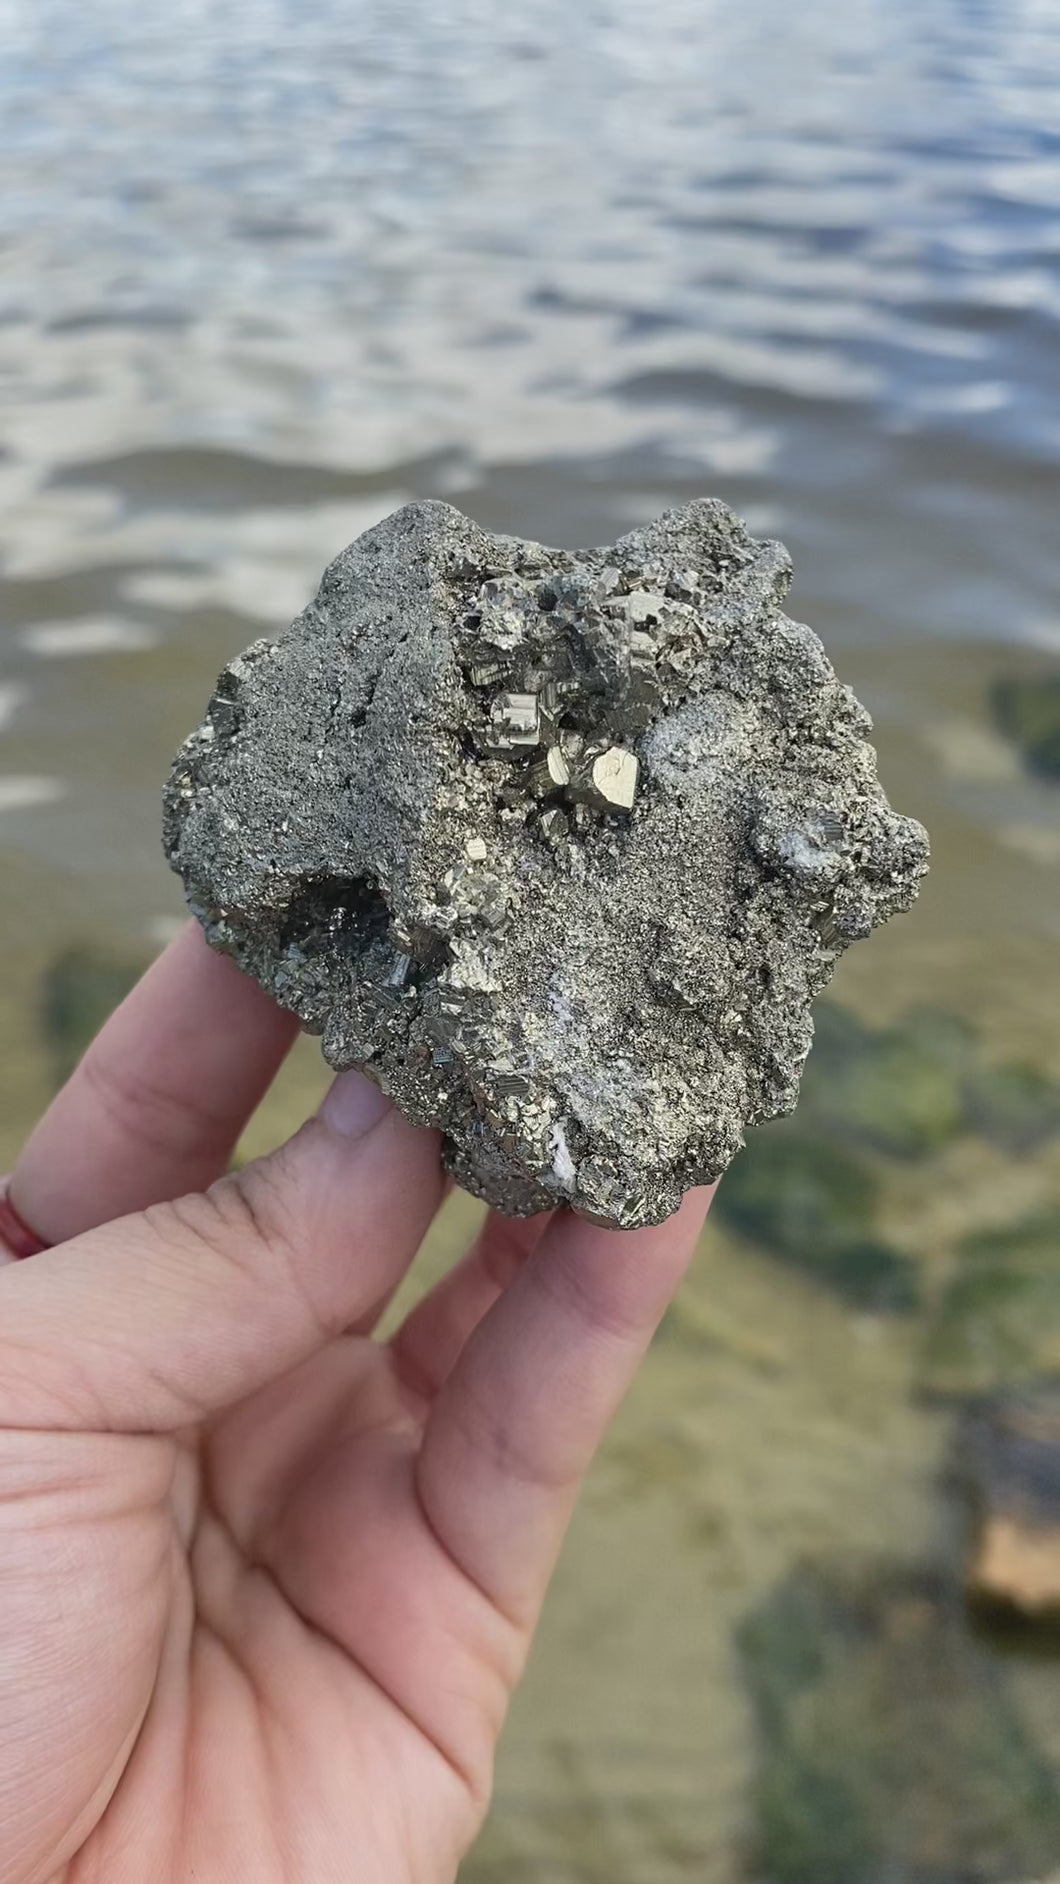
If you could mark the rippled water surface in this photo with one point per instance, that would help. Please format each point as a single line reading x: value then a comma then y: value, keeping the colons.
x: 266, y: 271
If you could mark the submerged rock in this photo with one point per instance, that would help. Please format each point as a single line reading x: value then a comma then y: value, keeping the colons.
x: 1011, y: 1458
x: 892, y: 1754
x: 997, y: 1323
x: 558, y: 846
x: 814, y: 1202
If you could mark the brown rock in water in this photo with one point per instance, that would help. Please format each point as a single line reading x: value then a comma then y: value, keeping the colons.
x: 557, y: 846
x: 1017, y: 1564
x: 1012, y: 1458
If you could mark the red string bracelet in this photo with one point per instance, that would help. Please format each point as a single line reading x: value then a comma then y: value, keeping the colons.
x: 20, y: 1238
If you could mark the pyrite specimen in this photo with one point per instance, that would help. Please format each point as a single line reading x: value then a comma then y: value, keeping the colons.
x: 558, y: 847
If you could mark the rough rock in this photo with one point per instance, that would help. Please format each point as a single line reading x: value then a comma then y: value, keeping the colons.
x: 558, y: 846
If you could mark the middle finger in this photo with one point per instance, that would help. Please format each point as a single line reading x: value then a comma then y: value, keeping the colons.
x: 428, y: 1344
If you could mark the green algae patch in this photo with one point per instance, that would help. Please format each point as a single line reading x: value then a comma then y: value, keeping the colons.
x: 1016, y: 1106
x: 812, y: 1201
x: 908, y: 1090
x: 898, y: 1090
x: 1028, y: 712
x: 997, y: 1324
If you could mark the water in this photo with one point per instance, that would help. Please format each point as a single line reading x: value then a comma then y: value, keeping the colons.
x: 265, y: 272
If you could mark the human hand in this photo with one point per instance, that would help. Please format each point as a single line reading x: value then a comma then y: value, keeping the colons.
x: 267, y: 1584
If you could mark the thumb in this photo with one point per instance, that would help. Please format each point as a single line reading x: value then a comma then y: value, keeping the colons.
x: 159, y: 1319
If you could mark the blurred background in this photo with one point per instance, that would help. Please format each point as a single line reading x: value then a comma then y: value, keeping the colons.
x: 269, y: 269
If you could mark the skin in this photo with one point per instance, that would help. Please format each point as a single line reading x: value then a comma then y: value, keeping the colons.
x: 266, y: 1583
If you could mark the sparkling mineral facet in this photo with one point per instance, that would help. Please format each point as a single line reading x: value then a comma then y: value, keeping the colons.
x: 558, y: 846
x: 610, y: 782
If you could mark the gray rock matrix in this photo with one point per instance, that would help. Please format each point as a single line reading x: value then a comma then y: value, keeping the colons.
x: 557, y: 846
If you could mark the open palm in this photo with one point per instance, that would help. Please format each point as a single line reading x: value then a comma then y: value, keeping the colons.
x: 267, y: 1583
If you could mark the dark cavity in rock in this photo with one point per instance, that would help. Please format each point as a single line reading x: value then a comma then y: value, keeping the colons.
x: 558, y: 846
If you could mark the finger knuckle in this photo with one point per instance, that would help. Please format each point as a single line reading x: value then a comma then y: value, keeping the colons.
x: 243, y: 1219
x: 142, y: 1110
x: 598, y: 1302
x: 504, y: 1250
x: 257, y: 1222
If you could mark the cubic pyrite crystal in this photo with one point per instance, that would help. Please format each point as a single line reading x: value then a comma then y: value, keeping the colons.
x: 557, y: 846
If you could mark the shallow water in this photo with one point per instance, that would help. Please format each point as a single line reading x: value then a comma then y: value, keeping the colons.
x: 267, y: 271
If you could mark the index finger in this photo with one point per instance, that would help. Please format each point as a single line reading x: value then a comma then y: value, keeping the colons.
x: 156, y: 1106
x: 517, y: 1422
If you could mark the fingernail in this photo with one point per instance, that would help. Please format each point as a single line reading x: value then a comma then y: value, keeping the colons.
x: 352, y: 1105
